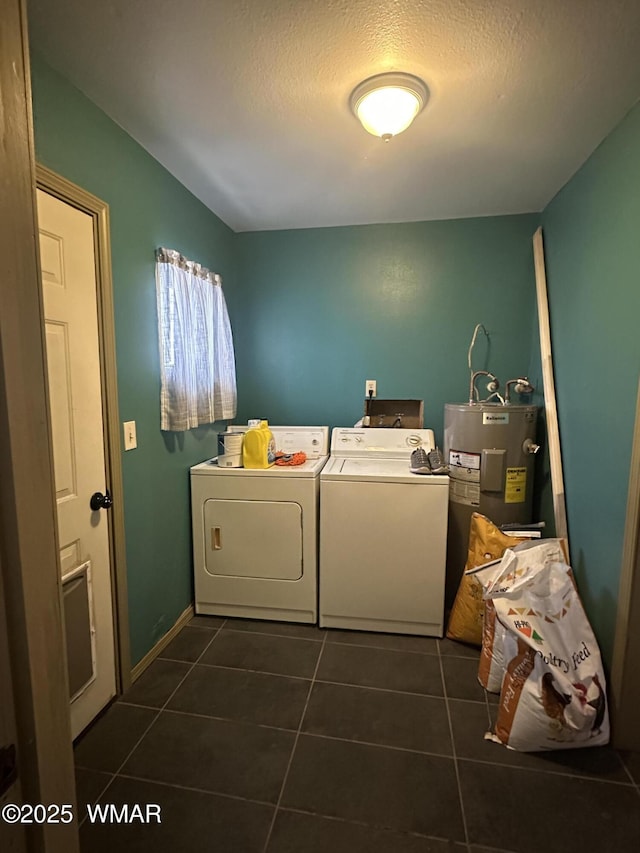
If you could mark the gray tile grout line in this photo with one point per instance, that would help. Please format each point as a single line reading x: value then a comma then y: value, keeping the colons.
x: 584, y: 777
x: 489, y: 849
x: 243, y: 669
x: 215, y: 633
x: 488, y: 706
x: 293, y: 749
x: 429, y: 696
x: 362, y: 823
x: 628, y: 772
x: 497, y: 849
x: 437, y: 653
x: 450, y: 756
x: 218, y: 719
x: 265, y: 633
x: 318, y: 680
x: 433, y: 654
x: 249, y: 633
x: 454, y: 753
x: 294, y: 731
x: 319, y: 736
x: 223, y: 794
x: 96, y: 798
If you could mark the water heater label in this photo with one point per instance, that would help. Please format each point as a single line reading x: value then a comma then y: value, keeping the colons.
x: 495, y: 418
x: 515, y: 487
x: 464, y: 478
x: 464, y: 493
x: 460, y: 459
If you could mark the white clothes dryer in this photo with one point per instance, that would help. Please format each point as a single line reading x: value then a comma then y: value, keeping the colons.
x: 383, y: 534
x: 255, y: 533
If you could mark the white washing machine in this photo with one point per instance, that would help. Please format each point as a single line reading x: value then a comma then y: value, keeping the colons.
x: 255, y: 533
x: 383, y: 534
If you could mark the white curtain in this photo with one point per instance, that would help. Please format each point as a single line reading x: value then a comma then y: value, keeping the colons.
x: 197, y: 361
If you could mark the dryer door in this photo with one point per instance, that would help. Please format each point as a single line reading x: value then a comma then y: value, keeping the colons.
x: 253, y: 539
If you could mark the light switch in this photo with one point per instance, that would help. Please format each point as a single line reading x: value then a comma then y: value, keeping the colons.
x: 130, y: 440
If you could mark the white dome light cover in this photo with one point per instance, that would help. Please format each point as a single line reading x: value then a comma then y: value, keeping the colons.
x: 386, y: 104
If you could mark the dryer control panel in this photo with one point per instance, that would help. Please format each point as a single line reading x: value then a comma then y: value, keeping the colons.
x: 313, y: 440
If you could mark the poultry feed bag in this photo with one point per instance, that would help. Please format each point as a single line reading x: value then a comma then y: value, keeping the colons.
x: 486, y: 543
x: 491, y: 666
x: 553, y: 692
x: 492, y: 663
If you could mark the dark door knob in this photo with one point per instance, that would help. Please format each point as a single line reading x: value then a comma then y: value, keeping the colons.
x: 100, y: 501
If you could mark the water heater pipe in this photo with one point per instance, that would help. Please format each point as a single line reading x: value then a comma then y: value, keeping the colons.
x: 521, y: 386
x: 493, y: 386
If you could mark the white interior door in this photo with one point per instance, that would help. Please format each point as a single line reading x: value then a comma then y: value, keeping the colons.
x: 75, y: 391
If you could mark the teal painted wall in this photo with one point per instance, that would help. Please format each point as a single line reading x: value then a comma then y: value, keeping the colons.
x: 148, y: 208
x: 592, y: 247
x: 324, y: 309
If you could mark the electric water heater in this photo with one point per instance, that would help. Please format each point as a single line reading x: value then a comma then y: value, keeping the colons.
x: 490, y: 449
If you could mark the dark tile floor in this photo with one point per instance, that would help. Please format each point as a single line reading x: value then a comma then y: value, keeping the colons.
x: 259, y: 737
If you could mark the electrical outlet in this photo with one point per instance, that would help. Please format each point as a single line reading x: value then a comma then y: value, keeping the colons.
x: 370, y: 387
x: 130, y: 440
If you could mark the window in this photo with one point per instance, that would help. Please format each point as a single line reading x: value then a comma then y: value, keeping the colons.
x: 197, y: 361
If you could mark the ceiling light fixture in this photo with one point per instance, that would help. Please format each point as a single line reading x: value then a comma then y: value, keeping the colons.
x: 386, y: 104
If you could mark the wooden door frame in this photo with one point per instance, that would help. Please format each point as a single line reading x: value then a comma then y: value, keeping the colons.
x: 14, y: 837
x: 28, y: 535
x: 98, y: 210
x: 625, y: 682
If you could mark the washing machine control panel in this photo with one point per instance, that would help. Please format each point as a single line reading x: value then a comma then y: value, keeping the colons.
x: 354, y: 441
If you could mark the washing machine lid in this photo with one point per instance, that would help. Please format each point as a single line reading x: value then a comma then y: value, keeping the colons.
x: 370, y: 470
x: 374, y: 467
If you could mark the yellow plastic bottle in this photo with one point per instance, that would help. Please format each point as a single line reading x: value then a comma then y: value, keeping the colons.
x: 259, y: 447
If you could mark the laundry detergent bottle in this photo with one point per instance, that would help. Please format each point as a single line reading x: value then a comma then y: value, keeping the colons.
x: 259, y: 447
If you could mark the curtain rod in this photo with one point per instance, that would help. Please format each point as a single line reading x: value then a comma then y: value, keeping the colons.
x: 173, y: 257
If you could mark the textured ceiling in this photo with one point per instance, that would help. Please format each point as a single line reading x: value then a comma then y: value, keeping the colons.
x: 246, y: 101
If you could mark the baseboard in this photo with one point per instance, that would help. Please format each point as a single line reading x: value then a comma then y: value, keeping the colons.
x: 162, y: 643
